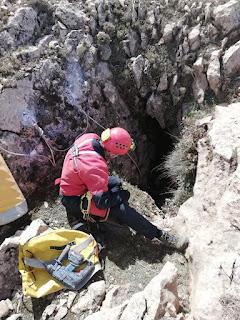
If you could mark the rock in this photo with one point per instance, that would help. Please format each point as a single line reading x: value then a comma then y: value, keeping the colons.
x: 136, y: 65
x: 48, y: 311
x: 105, y: 52
x: 71, y: 16
x: 144, y: 40
x: 150, y: 17
x: 136, y: 308
x: 28, y: 54
x: 227, y: 16
x: 161, y: 290
x: 163, y: 83
x: 194, y: 38
x: 214, y: 71
x: 212, y: 220
x: 200, y: 83
x: 231, y: 60
x: 133, y: 42
x: 108, y: 314
x: 62, y: 312
x: 22, y: 25
x: 212, y: 31
x: 4, y: 308
x: 35, y: 228
x: 156, y: 109
x: 168, y: 32
x: 71, y: 297
x: 13, y: 103
x: 116, y: 296
x: 44, y: 42
x: 208, y: 11
x: 92, y: 299
x: 15, y: 316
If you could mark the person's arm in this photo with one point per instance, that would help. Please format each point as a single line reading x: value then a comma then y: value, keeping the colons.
x: 97, y: 182
x: 108, y: 199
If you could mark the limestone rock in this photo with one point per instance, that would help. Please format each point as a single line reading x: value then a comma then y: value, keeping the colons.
x: 161, y: 290
x: 134, y: 42
x: 231, y: 59
x: 214, y: 72
x: 194, y: 38
x: 4, y: 308
x: 116, y: 296
x: 70, y: 15
x: 71, y: 297
x: 227, y: 16
x: 49, y: 310
x: 212, y: 220
x: 62, y: 312
x: 13, y: 103
x: 136, y: 65
x: 92, y: 299
x: 156, y: 109
x: 22, y: 25
x: 136, y: 308
x: 163, y: 83
x: 15, y: 316
x: 108, y: 314
x: 200, y: 83
x: 168, y: 32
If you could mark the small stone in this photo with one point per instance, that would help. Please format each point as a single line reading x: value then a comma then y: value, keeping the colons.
x: 15, y: 316
x: 71, y: 296
x: 62, y: 312
x: 4, y: 309
x: 194, y: 38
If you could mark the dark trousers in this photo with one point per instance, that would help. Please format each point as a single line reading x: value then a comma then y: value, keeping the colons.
x: 123, y: 214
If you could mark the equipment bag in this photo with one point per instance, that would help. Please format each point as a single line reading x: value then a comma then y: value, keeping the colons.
x: 57, y: 259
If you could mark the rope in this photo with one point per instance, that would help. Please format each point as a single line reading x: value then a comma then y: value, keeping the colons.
x: 52, y: 148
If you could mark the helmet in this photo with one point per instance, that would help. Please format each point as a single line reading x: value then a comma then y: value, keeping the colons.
x: 117, y: 141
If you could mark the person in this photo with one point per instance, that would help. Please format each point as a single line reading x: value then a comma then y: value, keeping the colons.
x: 90, y: 194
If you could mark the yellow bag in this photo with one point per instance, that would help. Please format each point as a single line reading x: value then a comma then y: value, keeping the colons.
x: 12, y: 202
x: 37, y: 282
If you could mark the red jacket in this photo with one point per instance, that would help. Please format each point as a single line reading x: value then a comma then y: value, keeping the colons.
x: 88, y: 173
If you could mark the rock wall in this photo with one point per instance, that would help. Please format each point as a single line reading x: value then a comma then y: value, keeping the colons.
x: 121, y: 62
x: 212, y: 220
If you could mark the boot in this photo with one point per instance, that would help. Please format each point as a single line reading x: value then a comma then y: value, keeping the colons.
x: 171, y: 241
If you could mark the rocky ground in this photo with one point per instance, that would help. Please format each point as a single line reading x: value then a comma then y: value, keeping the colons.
x: 144, y: 65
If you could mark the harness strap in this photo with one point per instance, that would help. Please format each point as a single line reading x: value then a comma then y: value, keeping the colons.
x: 36, y: 263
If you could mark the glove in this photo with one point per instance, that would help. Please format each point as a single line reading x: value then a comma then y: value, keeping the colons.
x: 114, y: 184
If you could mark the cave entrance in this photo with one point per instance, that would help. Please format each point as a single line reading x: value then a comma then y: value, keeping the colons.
x: 161, y: 141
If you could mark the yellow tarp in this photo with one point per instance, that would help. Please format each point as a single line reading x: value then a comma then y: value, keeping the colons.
x: 38, y: 282
x: 12, y: 202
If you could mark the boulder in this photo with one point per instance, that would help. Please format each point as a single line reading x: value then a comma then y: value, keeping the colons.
x: 22, y: 25
x: 71, y: 16
x: 231, y: 60
x: 227, y: 16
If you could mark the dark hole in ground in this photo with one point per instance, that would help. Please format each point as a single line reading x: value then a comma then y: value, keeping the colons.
x: 158, y: 183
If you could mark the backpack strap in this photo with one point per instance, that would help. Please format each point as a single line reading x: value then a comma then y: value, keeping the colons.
x: 37, y: 263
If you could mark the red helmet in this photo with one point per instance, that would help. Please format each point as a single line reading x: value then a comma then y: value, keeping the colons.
x: 117, y: 141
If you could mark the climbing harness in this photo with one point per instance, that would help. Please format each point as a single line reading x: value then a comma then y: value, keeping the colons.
x: 57, y: 259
